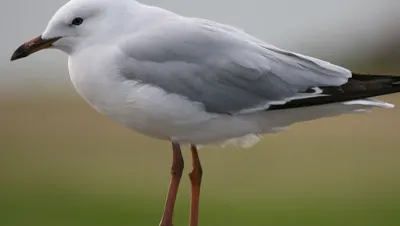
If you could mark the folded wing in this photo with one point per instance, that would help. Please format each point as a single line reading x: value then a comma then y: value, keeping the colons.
x: 224, y: 69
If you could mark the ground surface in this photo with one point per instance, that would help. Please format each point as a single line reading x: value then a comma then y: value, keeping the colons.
x: 63, y: 164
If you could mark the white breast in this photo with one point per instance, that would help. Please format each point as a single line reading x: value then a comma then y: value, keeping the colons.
x: 145, y: 108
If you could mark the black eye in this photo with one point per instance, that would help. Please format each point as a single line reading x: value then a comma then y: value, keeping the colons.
x: 77, y: 21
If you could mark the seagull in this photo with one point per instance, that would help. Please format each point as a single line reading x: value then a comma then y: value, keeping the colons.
x: 195, y: 82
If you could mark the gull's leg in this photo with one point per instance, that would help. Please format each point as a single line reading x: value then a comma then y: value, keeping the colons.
x: 176, y: 173
x: 195, y: 179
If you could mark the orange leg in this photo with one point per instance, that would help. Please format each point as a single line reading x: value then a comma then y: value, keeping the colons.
x: 195, y: 179
x: 176, y: 173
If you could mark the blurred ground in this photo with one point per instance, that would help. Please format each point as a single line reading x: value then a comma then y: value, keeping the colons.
x: 61, y: 163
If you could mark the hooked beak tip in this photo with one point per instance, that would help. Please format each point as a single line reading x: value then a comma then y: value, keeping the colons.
x: 19, y: 53
x: 32, y: 46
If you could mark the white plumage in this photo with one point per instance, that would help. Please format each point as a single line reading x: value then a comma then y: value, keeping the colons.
x: 189, y: 80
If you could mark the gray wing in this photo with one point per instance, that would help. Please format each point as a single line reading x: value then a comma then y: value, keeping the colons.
x: 224, y: 69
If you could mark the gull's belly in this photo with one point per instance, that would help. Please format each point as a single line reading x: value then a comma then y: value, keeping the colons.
x: 149, y: 109
x: 141, y: 107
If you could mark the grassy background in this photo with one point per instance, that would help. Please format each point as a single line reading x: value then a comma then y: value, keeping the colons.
x: 62, y: 163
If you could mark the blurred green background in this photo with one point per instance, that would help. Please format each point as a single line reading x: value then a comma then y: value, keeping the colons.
x: 63, y: 164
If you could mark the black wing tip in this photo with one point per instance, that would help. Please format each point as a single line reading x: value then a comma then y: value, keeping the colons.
x: 359, y: 86
x: 372, y: 77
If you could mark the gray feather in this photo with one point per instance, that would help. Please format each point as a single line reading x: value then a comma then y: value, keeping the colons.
x: 224, y: 69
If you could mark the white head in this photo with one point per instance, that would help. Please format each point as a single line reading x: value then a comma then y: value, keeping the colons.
x: 81, y: 22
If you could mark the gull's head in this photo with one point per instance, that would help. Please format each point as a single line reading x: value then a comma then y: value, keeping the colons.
x: 80, y: 23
